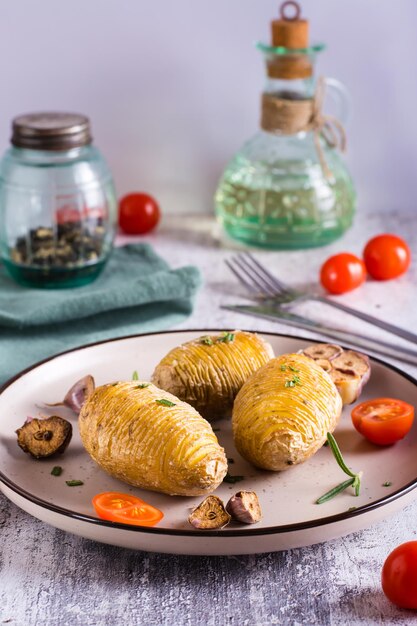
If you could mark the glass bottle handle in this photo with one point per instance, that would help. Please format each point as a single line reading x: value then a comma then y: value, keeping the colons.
x: 339, y: 95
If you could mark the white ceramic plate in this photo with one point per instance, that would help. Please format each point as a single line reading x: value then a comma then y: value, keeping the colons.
x: 291, y: 519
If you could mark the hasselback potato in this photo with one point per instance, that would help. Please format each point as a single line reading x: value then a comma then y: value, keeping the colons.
x: 151, y: 439
x: 282, y: 414
x: 209, y: 371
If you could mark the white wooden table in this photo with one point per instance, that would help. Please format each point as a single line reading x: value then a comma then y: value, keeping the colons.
x: 49, y: 578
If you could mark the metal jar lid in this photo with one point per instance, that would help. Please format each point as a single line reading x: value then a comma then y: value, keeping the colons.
x: 51, y: 131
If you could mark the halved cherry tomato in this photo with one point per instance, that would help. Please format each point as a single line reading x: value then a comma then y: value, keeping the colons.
x: 399, y: 576
x: 386, y: 257
x: 138, y: 213
x: 384, y: 420
x: 342, y: 272
x: 125, y: 509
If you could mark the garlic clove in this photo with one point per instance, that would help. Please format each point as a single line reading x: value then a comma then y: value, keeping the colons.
x: 210, y: 514
x: 77, y: 395
x: 244, y: 507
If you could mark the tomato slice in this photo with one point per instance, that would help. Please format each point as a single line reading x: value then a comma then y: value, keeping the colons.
x: 124, y: 508
x: 108, y: 502
x: 384, y: 420
x: 139, y: 515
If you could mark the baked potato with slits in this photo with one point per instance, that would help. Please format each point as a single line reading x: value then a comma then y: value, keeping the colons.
x: 283, y: 413
x: 209, y: 371
x: 151, y: 439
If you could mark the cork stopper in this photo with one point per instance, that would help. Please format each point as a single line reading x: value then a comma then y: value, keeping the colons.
x: 292, y: 32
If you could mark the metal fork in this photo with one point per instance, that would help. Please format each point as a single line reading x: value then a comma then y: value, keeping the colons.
x: 263, y: 285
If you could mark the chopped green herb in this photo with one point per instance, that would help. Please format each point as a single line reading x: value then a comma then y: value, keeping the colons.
x: 74, y: 483
x: 135, y: 375
x: 165, y: 402
x: 354, y: 480
x: 56, y: 471
x: 207, y: 341
x: 142, y: 386
x: 295, y: 380
x: 293, y: 369
x: 226, y: 338
x: 387, y: 484
x: 352, y: 508
x: 216, y: 430
x: 114, y: 384
x: 283, y: 368
x: 231, y: 460
x: 232, y: 479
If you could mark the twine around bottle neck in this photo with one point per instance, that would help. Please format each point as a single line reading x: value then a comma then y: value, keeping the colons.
x: 284, y: 116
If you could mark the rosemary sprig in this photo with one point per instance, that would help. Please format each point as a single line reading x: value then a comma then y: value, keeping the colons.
x: 354, y: 480
x: 333, y: 492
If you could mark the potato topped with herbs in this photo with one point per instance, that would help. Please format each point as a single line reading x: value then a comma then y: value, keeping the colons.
x: 151, y: 439
x: 283, y: 413
x: 209, y: 371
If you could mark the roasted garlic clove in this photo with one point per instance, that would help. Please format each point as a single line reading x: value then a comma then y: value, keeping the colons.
x: 354, y: 363
x: 350, y: 373
x: 324, y: 364
x: 326, y: 351
x: 244, y: 507
x: 210, y: 514
x: 44, y: 437
x: 349, y: 370
x: 78, y: 394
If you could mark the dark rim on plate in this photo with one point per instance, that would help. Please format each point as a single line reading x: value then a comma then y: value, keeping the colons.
x: 270, y: 530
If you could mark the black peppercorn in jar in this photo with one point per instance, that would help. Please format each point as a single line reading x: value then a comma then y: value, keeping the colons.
x: 57, y: 202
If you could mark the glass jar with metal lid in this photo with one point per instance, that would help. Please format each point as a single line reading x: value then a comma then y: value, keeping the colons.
x: 57, y: 202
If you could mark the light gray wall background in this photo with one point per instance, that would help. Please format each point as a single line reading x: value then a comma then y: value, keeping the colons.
x: 172, y: 88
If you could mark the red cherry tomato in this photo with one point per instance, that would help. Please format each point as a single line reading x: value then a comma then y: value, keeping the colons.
x: 386, y: 257
x: 399, y: 576
x: 138, y: 213
x: 342, y: 272
x: 383, y: 420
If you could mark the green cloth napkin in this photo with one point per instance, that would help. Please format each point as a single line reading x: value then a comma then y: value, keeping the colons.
x: 136, y: 292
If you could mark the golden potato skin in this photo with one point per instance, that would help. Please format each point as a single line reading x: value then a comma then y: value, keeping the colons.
x: 208, y: 372
x: 282, y: 414
x: 170, y: 449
